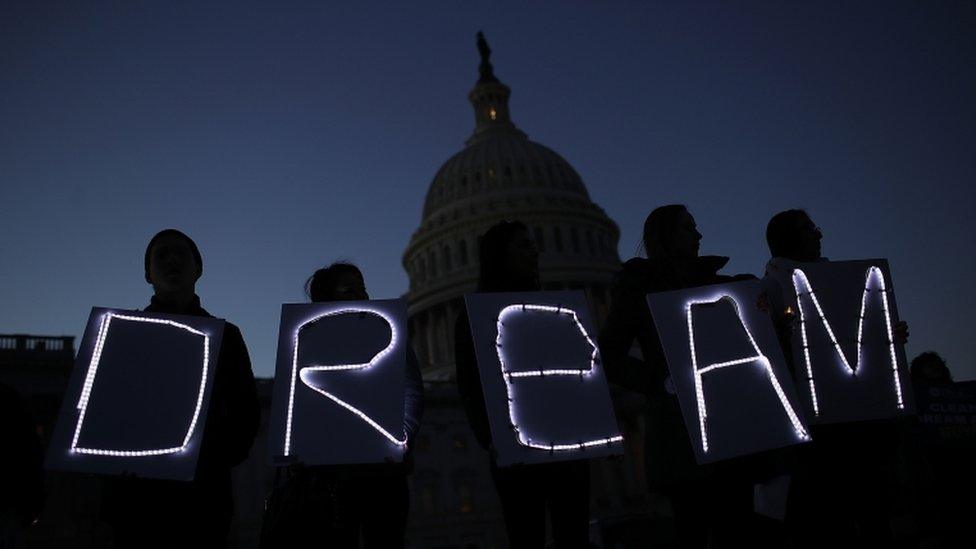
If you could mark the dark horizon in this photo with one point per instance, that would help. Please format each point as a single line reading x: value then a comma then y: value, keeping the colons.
x: 282, y: 139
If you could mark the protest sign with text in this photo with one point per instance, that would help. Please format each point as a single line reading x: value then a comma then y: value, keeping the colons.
x: 545, y: 391
x: 339, y: 383
x: 137, y: 399
x: 728, y: 370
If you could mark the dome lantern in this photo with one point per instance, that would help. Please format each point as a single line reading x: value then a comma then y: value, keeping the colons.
x: 489, y: 99
x: 500, y: 174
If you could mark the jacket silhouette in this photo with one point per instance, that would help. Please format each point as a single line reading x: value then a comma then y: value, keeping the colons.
x: 148, y: 511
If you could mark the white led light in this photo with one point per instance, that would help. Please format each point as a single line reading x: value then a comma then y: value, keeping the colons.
x: 759, y: 357
x: 873, y: 273
x: 303, y: 374
x: 89, y: 385
x: 509, y: 375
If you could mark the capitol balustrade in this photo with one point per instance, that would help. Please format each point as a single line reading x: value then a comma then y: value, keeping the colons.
x: 23, y: 343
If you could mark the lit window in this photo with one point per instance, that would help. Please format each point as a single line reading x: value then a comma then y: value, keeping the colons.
x: 491, y: 113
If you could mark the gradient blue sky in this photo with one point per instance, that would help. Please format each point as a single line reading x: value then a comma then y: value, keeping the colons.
x: 282, y: 138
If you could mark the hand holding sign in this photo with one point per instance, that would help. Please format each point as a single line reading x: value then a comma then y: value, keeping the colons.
x: 848, y: 347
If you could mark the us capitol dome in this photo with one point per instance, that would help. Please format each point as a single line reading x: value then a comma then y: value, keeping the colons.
x: 500, y: 175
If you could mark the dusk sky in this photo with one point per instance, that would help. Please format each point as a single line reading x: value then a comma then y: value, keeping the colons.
x: 282, y: 137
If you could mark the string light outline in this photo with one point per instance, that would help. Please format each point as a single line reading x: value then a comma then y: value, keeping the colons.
x: 89, y: 384
x: 759, y: 357
x: 874, y: 272
x: 295, y: 372
x: 507, y: 376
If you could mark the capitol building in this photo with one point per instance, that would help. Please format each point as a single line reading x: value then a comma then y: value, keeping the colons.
x: 500, y: 174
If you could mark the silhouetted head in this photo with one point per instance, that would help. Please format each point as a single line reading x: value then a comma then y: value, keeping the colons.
x: 340, y: 281
x: 173, y: 263
x: 930, y: 368
x: 508, y: 258
x: 793, y: 235
x: 670, y: 232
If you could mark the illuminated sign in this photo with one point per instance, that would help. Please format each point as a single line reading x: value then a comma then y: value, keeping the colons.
x: 511, y: 375
x: 90, y: 382
x: 354, y: 355
x: 545, y: 392
x: 758, y: 358
x: 137, y: 399
x: 306, y: 374
x: 847, y: 378
x: 727, y: 368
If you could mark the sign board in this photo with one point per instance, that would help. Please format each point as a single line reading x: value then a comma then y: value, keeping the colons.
x: 545, y: 391
x: 339, y: 383
x: 847, y: 365
x: 137, y: 398
x: 947, y: 413
x: 728, y: 370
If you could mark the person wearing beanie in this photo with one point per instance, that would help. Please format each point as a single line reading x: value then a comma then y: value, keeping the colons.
x: 157, y: 513
x: 167, y: 236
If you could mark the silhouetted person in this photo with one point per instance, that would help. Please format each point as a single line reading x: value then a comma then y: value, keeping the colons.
x: 930, y: 368
x: 21, y: 473
x: 509, y: 262
x: 791, y: 234
x: 165, y: 513
x: 844, y: 481
x: 794, y: 238
x: 712, y: 504
x: 337, y: 505
x: 944, y: 451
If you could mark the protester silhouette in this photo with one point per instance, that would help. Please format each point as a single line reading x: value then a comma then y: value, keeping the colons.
x: 943, y: 451
x: 712, y: 504
x: 791, y: 234
x: 930, y: 368
x: 163, y: 513
x: 21, y: 472
x: 794, y: 238
x: 835, y: 498
x: 509, y: 262
x: 337, y: 505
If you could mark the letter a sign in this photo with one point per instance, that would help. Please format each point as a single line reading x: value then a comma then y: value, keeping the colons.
x: 728, y: 370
